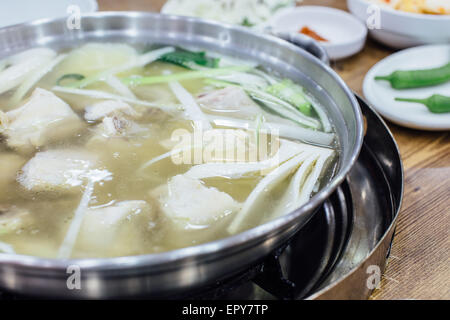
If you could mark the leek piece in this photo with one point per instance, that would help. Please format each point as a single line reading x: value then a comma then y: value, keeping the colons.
x: 237, y: 170
x: 105, y: 95
x: 291, y: 198
x: 318, y: 138
x: 120, y: 88
x: 25, y: 87
x: 190, y: 75
x: 292, y: 93
x: 283, y: 108
x: 271, y: 80
x: 22, y: 65
x: 273, y: 103
x: 314, y: 177
x: 65, y: 251
x: 192, y: 110
x: 245, y: 79
x: 303, y: 183
x: 268, y: 183
x: 167, y: 155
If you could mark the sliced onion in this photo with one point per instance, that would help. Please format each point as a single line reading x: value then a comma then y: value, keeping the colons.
x: 192, y: 109
x: 105, y: 95
x: 22, y: 65
x: 25, y: 87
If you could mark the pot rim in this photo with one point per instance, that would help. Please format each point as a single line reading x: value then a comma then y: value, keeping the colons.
x: 228, y: 245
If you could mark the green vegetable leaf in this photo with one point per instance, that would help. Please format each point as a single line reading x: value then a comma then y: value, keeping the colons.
x: 190, y: 59
x: 246, y: 23
x: 292, y: 93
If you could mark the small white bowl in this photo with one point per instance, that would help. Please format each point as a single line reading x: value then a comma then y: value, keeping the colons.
x: 403, y: 29
x: 19, y: 11
x: 346, y: 35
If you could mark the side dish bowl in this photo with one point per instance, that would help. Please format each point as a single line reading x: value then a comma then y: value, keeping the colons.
x: 345, y: 35
x: 400, y: 29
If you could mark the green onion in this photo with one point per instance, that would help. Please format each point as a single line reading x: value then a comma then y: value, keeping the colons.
x: 290, y: 92
x: 190, y: 75
x: 71, y: 76
x: 272, y: 102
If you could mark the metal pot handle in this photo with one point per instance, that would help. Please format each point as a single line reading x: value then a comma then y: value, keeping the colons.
x: 305, y: 43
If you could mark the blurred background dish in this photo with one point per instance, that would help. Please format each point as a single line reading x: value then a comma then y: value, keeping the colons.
x: 401, y: 29
x: 341, y: 34
x: 337, y: 31
x: 437, y: 7
x: 19, y: 11
x: 381, y: 95
x: 249, y: 13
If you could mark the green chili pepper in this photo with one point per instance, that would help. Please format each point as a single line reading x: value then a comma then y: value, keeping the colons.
x: 418, y: 78
x: 436, y: 103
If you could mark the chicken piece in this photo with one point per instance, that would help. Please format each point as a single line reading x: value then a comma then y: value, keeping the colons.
x: 44, y: 118
x: 231, y: 100
x: 189, y: 200
x: 198, y: 213
x: 58, y: 170
x: 121, y: 224
x: 107, y: 108
x: 116, y: 127
x: 234, y: 102
x: 116, y: 135
x: 13, y: 218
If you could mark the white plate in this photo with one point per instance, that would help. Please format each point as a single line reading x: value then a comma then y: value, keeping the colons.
x: 400, y: 29
x: 346, y: 35
x: 412, y: 115
x: 18, y: 11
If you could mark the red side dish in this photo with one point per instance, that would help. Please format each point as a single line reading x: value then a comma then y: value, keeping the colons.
x: 311, y: 33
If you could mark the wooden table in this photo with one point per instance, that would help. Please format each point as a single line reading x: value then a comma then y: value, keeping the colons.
x: 419, y: 267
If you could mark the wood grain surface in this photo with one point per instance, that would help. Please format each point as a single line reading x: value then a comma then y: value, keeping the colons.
x: 419, y: 267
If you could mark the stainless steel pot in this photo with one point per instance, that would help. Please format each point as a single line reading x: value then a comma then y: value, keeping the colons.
x: 188, y: 268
